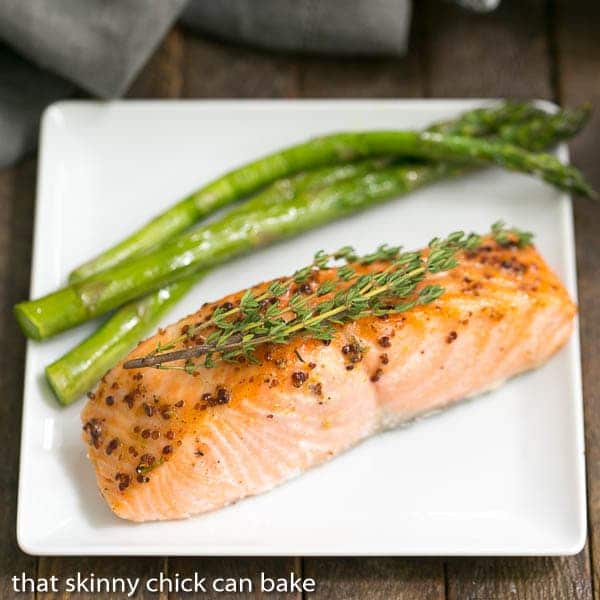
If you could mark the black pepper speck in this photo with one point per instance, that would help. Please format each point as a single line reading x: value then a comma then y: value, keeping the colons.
x: 384, y: 341
x: 112, y: 445
x: 298, y: 378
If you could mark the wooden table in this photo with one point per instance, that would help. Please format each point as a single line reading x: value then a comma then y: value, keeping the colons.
x: 526, y: 49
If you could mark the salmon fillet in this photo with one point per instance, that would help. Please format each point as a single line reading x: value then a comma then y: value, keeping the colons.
x: 167, y: 445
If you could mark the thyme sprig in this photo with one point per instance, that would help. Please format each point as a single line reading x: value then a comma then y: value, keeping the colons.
x: 277, y: 289
x: 314, y: 309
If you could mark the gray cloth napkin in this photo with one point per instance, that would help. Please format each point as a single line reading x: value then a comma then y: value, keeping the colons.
x: 314, y: 26
x: 48, y: 49
x: 25, y: 90
x: 97, y: 45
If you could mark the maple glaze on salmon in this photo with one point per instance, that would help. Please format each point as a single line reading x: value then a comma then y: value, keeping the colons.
x: 167, y: 445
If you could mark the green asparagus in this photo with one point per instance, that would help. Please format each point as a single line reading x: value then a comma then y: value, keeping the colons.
x: 109, y: 289
x: 259, y: 222
x: 476, y: 122
x: 542, y: 131
x: 77, y: 371
x: 323, y: 151
x: 485, y: 121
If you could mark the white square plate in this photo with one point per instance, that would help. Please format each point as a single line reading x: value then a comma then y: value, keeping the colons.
x: 500, y: 475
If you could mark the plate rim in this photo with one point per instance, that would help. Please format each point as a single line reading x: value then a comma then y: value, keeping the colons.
x: 57, y: 109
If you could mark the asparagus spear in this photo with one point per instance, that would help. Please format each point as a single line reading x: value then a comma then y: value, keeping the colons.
x: 258, y: 222
x: 96, y: 295
x: 487, y: 120
x: 333, y: 149
x: 208, y: 199
x: 476, y: 122
x: 542, y: 131
x: 77, y: 371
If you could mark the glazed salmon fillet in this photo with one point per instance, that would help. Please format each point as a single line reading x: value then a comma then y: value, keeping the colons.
x: 166, y: 444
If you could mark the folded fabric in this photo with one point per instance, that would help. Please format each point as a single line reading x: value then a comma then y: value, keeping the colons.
x: 100, y: 45
x: 315, y: 26
x: 25, y: 90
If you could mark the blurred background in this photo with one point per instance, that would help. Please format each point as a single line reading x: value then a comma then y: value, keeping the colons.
x: 285, y: 48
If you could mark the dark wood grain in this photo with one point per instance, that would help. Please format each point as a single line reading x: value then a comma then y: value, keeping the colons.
x: 523, y: 578
x: 374, y: 77
x: 497, y: 54
x: 216, y: 70
x: 162, y: 76
x: 248, y: 568
x: 16, y: 202
x: 576, y: 26
x: 377, y: 578
x: 356, y: 78
x: 101, y: 567
x: 509, y: 53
